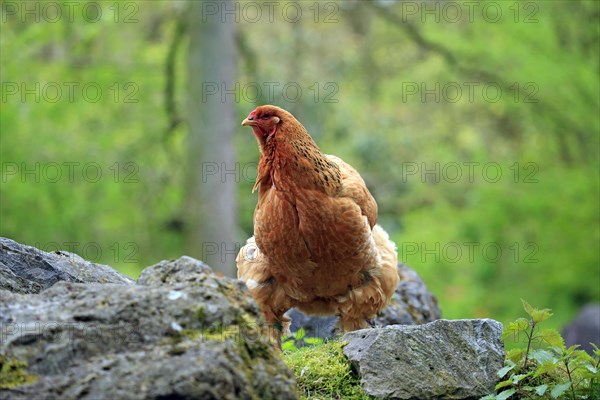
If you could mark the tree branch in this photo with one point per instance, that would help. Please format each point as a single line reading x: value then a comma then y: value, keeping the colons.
x: 563, y: 122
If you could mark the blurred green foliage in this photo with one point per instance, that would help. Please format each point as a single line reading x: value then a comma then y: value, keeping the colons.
x: 417, y: 98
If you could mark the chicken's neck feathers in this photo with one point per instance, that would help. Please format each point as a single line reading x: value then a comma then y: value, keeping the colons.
x: 292, y: 161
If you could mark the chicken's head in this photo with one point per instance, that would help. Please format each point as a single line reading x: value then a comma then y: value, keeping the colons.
x: 265, y: 120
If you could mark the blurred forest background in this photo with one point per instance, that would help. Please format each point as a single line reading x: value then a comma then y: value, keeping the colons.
x: 475, y: 125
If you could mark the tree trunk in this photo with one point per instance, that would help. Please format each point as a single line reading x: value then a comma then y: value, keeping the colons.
x: 212, y: 231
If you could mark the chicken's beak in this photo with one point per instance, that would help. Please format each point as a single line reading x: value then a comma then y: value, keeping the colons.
x: 248, y: 122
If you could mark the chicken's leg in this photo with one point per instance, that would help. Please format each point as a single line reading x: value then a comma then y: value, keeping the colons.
x: 279, y: 325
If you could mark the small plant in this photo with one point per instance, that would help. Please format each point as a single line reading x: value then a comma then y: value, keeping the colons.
x: 299, y: 340
x: 545, y: 368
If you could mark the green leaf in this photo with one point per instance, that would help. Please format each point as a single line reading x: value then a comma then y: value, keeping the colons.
x: 591, y: 368
x: 489, y: 397
x: 536, y: 314
x: 541, y: 315
x: 515, y: 328
x: 527, y: 307
x: 517, y: 378
x: 572, y: 349
x: 540, y: 390
x: 515, y: 355
x: 582, y: 356
x: 506, y: 394
x: 551, y: 337
x: 559, y: 351
x: 503, y: 371
x: 544, y: 368
x: 300, y: 334
x: 505, y: 383
x: 596, y: 349
x: 542, y: 356
x: 559, y: 389
x: 289, y: 345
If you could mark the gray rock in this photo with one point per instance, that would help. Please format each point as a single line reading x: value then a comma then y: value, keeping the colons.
x: 585, y: 329
x: 439, y: 360
x: 412, y: 304
x: 182, y: 333
x: 313, y: 325
x: 185, y: 270
x: 25, y: 269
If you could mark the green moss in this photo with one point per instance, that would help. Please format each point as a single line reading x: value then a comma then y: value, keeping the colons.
x: 246, y: 321
x: 253, y: 352
x: 13, y: 373
x: 181, y: 340
x: 322, y: 371
x: 215, y: 335
x: 243, y: 337
x: 201, y: 313
x: 193, y: 334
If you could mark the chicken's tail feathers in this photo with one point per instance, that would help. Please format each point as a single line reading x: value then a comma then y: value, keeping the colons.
x: 253, y: 270
x: 364, y: 302
x: 249, y: 260
x: 388, y: 271
x: 241, y: 261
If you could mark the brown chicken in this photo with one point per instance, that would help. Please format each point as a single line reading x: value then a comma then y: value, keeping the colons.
x: 316, y: 244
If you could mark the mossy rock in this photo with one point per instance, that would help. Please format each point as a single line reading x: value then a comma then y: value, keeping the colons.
x: 181, y: 332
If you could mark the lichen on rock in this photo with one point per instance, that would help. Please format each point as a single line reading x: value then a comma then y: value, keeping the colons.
x: 13, y: 373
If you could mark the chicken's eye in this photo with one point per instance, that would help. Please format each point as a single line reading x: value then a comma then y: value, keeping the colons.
x: 265, y: 117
